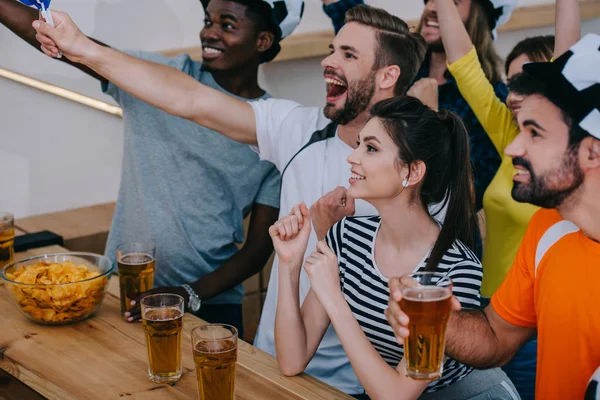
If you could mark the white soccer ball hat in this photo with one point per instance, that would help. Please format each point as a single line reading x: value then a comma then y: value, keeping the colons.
x: 287, y: 13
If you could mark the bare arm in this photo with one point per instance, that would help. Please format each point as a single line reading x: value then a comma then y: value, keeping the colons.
x: 483, y: 339
x: 567, y: 25
x: 379, y: 380
x: 161, y: 86
x: 18, y: 18
x: 456, y: 40
x: 298, y: 331
x: 248, y: 261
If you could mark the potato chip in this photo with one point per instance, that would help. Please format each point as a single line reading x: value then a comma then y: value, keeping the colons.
x: 65, y: 298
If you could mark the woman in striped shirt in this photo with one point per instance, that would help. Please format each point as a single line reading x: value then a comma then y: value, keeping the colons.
x: 407, y: 158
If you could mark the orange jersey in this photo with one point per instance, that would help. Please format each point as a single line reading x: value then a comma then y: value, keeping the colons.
x: 554, y: 285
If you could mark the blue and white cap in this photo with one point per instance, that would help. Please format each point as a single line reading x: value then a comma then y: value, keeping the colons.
x: 572, y: 82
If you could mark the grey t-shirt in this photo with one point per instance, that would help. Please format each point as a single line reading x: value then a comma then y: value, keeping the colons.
x: 185, y: 187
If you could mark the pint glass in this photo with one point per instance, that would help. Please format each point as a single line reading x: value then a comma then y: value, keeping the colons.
x: 7, y: 239
x: 427, y: 304
x: 162, y: 317
x: 135, y: 263
x: 215, y: 355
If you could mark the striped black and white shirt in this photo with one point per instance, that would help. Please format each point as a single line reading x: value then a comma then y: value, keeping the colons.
x: 367, y: 293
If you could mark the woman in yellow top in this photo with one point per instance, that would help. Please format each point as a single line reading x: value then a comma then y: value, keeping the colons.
x: 506, y: 219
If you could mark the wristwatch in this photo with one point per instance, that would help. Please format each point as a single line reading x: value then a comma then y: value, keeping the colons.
x: 194, y: 301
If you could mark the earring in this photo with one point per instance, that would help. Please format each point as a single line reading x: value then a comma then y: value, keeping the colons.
x: 405, y: 183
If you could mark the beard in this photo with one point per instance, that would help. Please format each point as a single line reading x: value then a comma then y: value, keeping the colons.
x: 358, y: 99
x: 551, y: 189
x: 436, y: 47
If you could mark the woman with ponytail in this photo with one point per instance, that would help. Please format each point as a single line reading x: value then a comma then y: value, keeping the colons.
x: 407, y: 158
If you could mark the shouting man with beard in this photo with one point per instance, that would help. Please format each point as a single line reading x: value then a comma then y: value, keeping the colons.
x: 552, y: 287
x: 436, y: 87
x: 374, y: 57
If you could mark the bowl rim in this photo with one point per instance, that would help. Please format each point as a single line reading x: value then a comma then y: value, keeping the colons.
x: 69, y: 253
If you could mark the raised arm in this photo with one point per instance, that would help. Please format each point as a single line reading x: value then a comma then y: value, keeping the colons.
x: 463, y: 62
x: 567, y: 22
x: 457, y: 42
x: 161, y: 86
x: 18, y: 18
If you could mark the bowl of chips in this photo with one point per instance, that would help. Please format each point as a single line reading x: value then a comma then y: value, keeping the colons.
x: 58, y: 289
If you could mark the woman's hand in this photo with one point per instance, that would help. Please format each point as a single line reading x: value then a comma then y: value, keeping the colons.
x: 290, y: 235
x: 322, y: 269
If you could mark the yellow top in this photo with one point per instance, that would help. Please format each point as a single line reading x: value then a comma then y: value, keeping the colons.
x: 506, y: 219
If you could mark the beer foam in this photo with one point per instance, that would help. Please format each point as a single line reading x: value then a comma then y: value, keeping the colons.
x: 426, y: 293
x: 215, y: 346
x: 136, y: 259
x: 162, y: 314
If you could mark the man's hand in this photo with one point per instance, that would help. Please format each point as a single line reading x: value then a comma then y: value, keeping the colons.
x: 330, y: 209
x: 426, y: 90
x: 135, y: 314
x: 396, y: 317
x: 65, y: 36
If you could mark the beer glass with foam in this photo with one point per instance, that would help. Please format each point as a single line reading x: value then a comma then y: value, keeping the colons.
x: 426, y: 300
x: 135, y: 263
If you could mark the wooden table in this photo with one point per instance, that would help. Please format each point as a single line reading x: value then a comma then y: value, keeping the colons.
x: 104, y: 357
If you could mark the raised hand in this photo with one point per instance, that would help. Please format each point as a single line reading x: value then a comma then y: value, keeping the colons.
x: 330, y: 209
x: 322, y: 270
x: 290, y: 234
x: 64, y: 36
x: 426, y: 90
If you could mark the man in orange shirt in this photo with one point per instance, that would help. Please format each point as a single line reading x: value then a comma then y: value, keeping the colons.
x: 554, y: 284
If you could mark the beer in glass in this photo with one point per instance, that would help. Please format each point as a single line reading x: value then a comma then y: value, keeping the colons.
x: 215, y: 355
x: 426, y: 301
x: 7, y: 238
x: 162, y: 318
x: 135, y: 263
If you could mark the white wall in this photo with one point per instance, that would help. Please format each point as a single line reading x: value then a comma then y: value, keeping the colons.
x: 56, y: 155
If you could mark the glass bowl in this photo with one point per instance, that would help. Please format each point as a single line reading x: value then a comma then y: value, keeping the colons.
x: 58, y: 289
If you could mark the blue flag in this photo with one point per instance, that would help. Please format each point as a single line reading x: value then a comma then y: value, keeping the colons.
x: 39, y: 4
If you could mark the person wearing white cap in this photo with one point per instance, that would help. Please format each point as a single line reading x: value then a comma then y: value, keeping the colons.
x: 552, y: 286
x: 506, y: 219
x: 185, y: 187
x: 436, y: 87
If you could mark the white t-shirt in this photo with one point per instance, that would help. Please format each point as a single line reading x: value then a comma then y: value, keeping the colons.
x: 283, y: 127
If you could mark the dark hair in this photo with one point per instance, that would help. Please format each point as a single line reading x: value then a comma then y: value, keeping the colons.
x: 525, y: 85
x: 261, y: 14
x: 396, y: 44
x: 537, y: 49
x: 440, y: 140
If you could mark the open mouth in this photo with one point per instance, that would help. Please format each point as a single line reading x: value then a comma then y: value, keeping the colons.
x: 431, y: 23
x: 336, y: 88
x: 209, y: 52
x: 521, y: 174
x: 355, y: 177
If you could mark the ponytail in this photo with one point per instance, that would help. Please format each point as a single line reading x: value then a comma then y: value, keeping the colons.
x: 441, y: 141
x: 460, y: 221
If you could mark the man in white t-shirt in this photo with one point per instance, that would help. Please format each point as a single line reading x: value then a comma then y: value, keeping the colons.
x: 374, y: 57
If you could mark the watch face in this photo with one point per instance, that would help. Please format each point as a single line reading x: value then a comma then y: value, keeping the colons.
x: 194, y: 304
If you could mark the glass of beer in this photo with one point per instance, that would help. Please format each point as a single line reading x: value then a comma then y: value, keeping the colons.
x: 162, y: 317
x: 215, y: 355
x: 7, y: 238
x: 426, y: 300
x: 135, y: 263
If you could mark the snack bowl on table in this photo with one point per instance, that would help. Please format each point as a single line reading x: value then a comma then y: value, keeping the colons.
x: 58, y: 289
